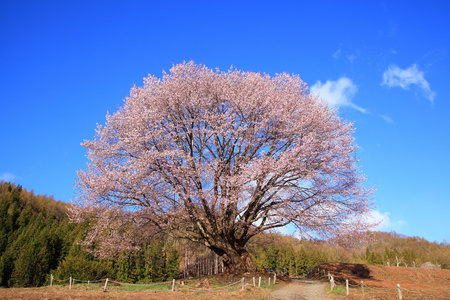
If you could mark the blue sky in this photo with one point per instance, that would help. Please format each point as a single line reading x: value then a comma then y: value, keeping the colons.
x: 384, y: 64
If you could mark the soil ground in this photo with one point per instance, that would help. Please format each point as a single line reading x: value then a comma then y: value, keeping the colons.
x: 216, y: 287
x: 381, y: 281
x: 298, y: 289
x: 46, y: 293
x: 301, y: 289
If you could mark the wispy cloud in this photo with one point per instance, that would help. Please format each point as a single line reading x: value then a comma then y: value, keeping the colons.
x: 404, y: 78
x: 337, y: 54
x: 386, y: 118
x: 287, y: 230
x: 337, y: 93
x: 351, y: 58
x: 386, y: 223
x: 7, y: 176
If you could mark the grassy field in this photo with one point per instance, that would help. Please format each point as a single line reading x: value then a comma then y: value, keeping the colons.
x: 83, y: 293
x: 213, y: 288
x: 380, y: 282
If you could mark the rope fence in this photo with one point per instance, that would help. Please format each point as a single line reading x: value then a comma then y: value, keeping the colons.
x: 172, y: 283
x: 400, y: 291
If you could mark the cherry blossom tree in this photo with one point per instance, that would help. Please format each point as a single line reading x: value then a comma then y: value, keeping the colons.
x: 219, y: 157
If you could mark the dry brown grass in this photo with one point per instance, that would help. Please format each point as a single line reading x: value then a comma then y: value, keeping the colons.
x: 416, y: 283
x: 81, y: 292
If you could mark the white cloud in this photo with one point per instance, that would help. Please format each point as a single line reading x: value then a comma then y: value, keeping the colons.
x: 287, y: 230
x: 386, y: 118
x: 7, y: 176
x: 351, y: 58
x: 404, y: 78
x: 337, y: 54
x: 337, y: 93
x: 386, y: 223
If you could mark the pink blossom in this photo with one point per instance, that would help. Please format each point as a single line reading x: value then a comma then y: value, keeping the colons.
x: 218, y: 157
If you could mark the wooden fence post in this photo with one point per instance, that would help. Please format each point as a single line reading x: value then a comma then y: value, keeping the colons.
x: 243, y: 283
x: 106, y: 284
x: 254, y: 282
x: 275, y: 278
x: 259, y: 281
x: 399, y: 292
x: 362, y: 288
x: 346, y: 285
x: 269, y: 281
x: 332, y: 283
x: 173, y: 285
x: 51, y: 280
x: 70, y: 283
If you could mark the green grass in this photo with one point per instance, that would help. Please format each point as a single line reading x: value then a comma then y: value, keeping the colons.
x: 126, y: 287
x: 144, y: 287
x: 338, y: 290
x: 214, y: 283
x: 270, y: 287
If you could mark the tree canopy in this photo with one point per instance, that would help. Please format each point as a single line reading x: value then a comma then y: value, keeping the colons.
x: 217, y: 158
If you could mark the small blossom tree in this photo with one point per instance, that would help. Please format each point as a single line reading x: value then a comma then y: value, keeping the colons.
x: 217, y: 158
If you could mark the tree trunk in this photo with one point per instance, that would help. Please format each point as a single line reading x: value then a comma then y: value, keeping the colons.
x: 235, y: 261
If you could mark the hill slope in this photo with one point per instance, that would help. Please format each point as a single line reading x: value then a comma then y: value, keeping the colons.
x: 381, y: 281
x: 33, y: 236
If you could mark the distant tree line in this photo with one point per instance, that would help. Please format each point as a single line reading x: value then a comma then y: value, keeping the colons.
x: 295, y: 257
x: 37, y: 239
x: 393, y: 249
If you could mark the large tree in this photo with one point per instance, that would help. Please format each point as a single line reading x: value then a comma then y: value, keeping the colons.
x: 219, y: 157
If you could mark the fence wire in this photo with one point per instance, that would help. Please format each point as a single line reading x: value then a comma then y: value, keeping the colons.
x: 322, y: 274
x: 387, y: 290
x: 179, y: 287
x: 427, y: 295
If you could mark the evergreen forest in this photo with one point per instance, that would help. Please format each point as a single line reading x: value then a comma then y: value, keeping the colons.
x: 37, y: 239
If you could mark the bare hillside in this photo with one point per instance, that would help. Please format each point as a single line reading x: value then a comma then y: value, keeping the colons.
x: 381, y: 281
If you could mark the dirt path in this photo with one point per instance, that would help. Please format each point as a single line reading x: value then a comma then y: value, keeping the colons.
x: 301, y: 289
